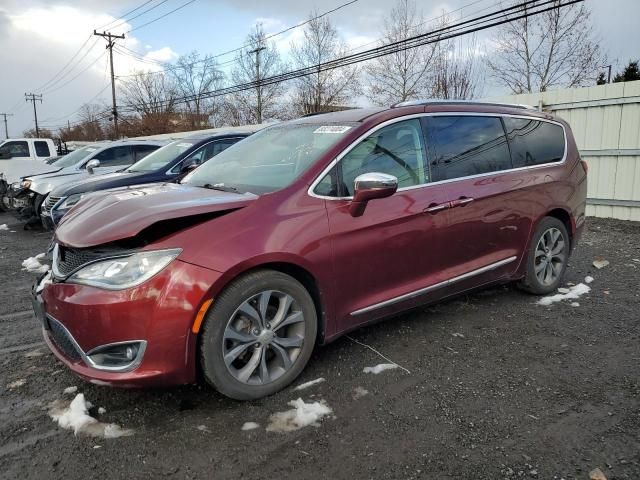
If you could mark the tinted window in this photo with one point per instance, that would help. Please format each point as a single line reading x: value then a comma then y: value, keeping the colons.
x: 76, y: 156
x: 42, y: 149
x: 141, y: 151
x: 397, y: 150
x: 162, y: 156
x: 466, y: 145
x: 114, y: 156
x: 534, y: 142
x: 15, y: 149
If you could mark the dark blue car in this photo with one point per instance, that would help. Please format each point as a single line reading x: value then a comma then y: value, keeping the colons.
x: 167, y: 164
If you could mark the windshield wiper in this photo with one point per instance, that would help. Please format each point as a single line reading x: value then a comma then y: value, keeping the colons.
x: 221, y: 186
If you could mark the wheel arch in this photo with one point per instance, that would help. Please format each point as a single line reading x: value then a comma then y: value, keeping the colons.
x: 565, y: 217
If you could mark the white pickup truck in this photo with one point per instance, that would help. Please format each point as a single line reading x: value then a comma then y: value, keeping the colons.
x: 24, y: 156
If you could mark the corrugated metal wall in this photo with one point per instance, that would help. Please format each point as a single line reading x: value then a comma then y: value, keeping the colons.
x: 605, y: 120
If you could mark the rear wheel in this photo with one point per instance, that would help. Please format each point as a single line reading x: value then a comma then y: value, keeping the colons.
x: 547, y: 257
x: 258, y: 336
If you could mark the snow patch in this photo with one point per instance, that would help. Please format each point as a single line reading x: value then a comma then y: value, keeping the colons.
x: 380, y: 368
x: 302, y: 415
x: 4, y: 227
x: 102, y: 410
x: 17, y: 383
x: 575, y: 304
x: 574, y: 292
x: 600, y: 263
x: 73, y: 389
x: 250, y: 426
x: 588, y: 279
x: 33, y: 265
x: 311, y: 383
x: 359, y: 392
x: 75, y: 416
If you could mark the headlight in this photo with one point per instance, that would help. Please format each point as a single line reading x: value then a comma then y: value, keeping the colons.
x: 124, y: 272
x: 70, y: 201
x: 26, y: 184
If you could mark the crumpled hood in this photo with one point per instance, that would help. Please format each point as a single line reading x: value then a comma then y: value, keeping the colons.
x: 17, y: 168
x: 44, y: 183
x: 107, y: 216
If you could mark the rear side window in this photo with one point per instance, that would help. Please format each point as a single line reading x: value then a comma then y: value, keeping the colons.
x: 42, y: 149
x: 115, y: 156
x: 534, y: 142
x: 462, y: 146
x: 142, y: 151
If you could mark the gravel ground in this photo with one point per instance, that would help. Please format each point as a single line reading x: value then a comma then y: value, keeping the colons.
x: 499, y: 387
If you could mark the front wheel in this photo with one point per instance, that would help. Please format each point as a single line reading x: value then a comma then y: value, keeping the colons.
x: 547, y: 257
x: 258, y: 336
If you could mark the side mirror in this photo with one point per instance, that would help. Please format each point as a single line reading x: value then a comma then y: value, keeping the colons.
x: 187, y: 167
x: 370, y: 186
x: 92, y: 164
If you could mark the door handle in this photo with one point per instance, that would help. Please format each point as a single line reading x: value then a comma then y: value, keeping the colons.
x: 461, y: 202
x: 437, y: 207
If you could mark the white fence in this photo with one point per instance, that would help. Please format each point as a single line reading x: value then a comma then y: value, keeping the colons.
x: 605, y: 120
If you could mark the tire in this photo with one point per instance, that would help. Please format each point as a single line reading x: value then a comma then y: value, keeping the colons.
x: 240, y: 321
x: 546, y: 266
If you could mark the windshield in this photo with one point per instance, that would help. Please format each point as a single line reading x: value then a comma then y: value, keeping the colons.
x: 268, y: 160
x: 163, y: 156
x: 75, y: 157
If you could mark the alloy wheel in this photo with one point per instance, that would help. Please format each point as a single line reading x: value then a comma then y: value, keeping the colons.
x: 263, y: 338
x: 550, y: 256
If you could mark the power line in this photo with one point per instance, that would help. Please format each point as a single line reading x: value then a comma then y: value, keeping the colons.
x: 59, y: 87
x: 123, y: 16
x: 505, y: 15
x: 161, y: 16
x: 139, y: 15
x: 65, y: 66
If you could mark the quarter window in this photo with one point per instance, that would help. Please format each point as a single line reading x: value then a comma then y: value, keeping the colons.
x: 462, y: 146
x: 534, y: 142
x: 42, y: 149
x: 396, y: 149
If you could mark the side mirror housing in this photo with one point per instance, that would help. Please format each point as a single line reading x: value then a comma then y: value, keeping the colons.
x: 370, y: 186
x: 187, y: 167
x: 92, y: 164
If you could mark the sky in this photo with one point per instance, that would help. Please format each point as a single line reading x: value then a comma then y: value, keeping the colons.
x: 38, y: 38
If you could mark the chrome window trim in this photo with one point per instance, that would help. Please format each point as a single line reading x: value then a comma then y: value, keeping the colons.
x: 135, y: 363
x: 334, y: 162
x: 430, y: 288
x: 216, y: 140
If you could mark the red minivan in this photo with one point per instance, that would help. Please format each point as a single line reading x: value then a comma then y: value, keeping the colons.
x: 304, y: 231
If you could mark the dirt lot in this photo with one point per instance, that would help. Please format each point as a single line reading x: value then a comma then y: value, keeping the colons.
x: 520, y: 391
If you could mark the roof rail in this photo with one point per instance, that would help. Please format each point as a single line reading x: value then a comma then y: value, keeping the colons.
x: 410, y: 103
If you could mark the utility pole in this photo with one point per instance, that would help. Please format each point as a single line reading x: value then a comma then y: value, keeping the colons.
x: 32, y: 97
x: 110, y: 43
x: 258, y: 80
x: 6, y: 127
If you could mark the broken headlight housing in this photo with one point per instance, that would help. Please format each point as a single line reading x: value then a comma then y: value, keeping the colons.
x: 119, y: 273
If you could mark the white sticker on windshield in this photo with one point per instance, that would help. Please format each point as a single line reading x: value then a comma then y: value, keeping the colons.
x: 91, y: 149
x: 187, y: 145
x: 331, y: 129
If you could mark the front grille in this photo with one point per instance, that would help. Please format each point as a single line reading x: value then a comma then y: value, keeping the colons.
x: 49, y: 203
x: 61, y: 339
x: 68, y: 260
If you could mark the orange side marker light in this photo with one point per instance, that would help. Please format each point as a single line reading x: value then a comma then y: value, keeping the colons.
x: 200, y: 316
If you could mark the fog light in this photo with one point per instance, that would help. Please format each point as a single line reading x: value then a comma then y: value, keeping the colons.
x: 117, y: 357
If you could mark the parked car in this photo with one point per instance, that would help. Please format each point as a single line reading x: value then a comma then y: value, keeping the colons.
x: 96, y: 159
x: 307, y: 230
x: 166, y: 164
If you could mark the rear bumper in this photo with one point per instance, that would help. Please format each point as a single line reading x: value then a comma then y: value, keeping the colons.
x: 159, y: 312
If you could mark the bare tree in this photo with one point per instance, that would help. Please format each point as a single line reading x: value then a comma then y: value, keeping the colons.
x: 323, y: 90
x: 253, y: 65
x: 152, y: 98
x: 193, y: 77
x: 554, y: 48
x: 457, y: 69
x: 406, y: 74
x: 91, y: 121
